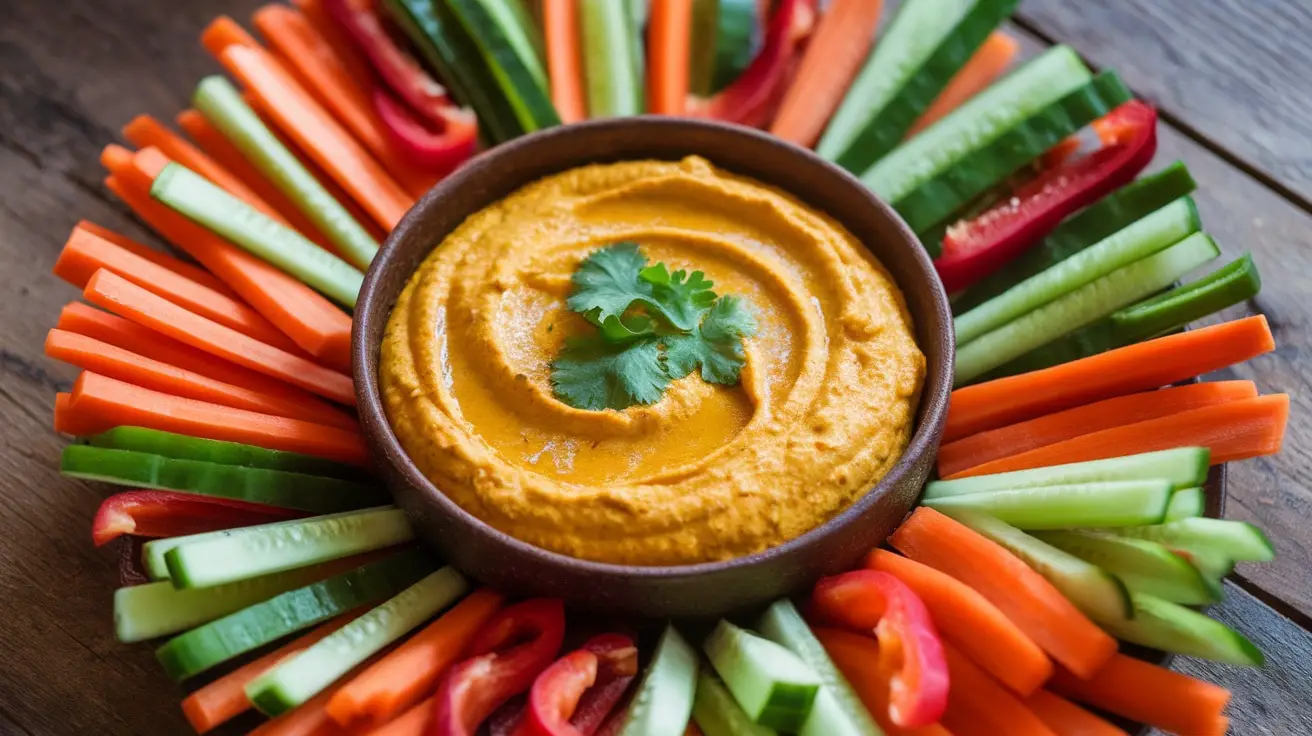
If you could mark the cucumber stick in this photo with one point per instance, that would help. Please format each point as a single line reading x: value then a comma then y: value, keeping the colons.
x: 220, y: 640
x: 507, y: 49
x: 168, y: 444
x: 222, y: 557
x: 612, y: 58
x: 981, y: 120
x: 924, y: 45
x: 204, y: 202
x: 738, y: 34
x: 312, y: 493
x: 1173, y: 628
x: 934, y: 200
x: 1144, y: 567
x: 837, y: 710
x: 1154, y: 233
x: 1186, y: 503
x: 1083, y: 306
x: 1182, y: 467
x: 663, y: 702
x: 718, y: 714
x: 1107, y: 504
x: 774, y: 686
x: 223, y: 106
x: 1237, y: 540
x: 300, y: 678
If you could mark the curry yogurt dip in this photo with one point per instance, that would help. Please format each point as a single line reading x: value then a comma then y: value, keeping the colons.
x: 824, y: 408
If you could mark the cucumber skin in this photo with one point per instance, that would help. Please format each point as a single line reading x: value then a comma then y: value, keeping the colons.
x: 1187, y: 466
x: 612, y: 71
x: 1004, y: 506
x: 934, y: 201
x: 519, y: 84
x: 717, y: 713
x: 1209, y: 535
x: 182, y: 447
x: 1172, y: 628
x: 676, y: 664
x: 1173, y: 578
x: 1186, y: 503
x: 772, y: 695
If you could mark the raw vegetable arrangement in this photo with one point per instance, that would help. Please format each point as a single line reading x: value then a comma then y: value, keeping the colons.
x: 1071, y: 509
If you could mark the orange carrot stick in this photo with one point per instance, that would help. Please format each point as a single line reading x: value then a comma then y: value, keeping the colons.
x: 1146, y: 693
x: 225, y: 698
x: 985, y: 65
x: 68, y: 421
x: 1236, y: 430
x: 857, y: 657
x: 1127, y: 370
x: 966, y: 453
x: 833, y: 57
x: 85, y: 253
x: 560, y: 27
x: 103, y: 403
x: 1065, y: 718
x: 1023, y: 595
x: 669, y: 40
x: 128, y: 300
x: 311, y: 717
x: 971, y: 623
x: 413, y: 722
x: 108, y: 360
x: 979, y: 706
x: 410, y: 672
x: 306, y: 122
x: 180, y: 267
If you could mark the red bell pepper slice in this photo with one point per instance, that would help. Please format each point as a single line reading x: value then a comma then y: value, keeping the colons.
x: 975, y: 248
x: 170, y: 514
x: 439, y: 151
x: 909, y: 647
x: 574, y: 695
x: 507, y: 654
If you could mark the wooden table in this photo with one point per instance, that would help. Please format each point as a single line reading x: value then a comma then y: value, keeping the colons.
x: 1232, y: 78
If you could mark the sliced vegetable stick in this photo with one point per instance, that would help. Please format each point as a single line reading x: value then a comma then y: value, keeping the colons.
x: 968, y: 620
x: 1068, y: 719
x: 410, y: 672
x: 225, y: 698
x: 857, y: 657
x: 669, y: 42
x: 68, y: 421
x: 124, y: 298
x: 1148, y: 694
x: 85, y: 253
x: 93, y: 355
x: 176, y: 265
x: 311, y: 718
x: 832, y: 59
x: 1236, y: 430
x: 413, y: 722
x: 988, y: 63
x: 979, y: 706
x: 955, y: 457
x: 103, y: 403
x: 1127, y: 370
x: 1023, y: 595
x: 560, y: 26
x: 304, y: 120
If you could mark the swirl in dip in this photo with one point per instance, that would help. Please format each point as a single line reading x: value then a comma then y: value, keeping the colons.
x: 824, y: 408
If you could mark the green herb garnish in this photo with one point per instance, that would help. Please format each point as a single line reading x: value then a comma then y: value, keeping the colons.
x: 653, y: 327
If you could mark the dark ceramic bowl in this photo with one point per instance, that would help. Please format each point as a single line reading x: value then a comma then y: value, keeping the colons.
x: 702, y: 590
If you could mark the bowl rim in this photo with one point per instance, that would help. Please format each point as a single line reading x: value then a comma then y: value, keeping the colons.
x: 387, y: 447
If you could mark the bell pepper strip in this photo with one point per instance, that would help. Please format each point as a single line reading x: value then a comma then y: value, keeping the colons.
x: 976, y: 248
x: 170, y: 514
x: 558, y: 702
x: 509, y: 719
x: 752, y: 98
x: 498, y: 667
x: 909, y: 646
x: 440, y: 150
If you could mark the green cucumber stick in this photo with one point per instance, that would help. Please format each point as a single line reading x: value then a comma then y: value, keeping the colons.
x: 223, y: 106
x: 204, y: 202
x: 611, y: 58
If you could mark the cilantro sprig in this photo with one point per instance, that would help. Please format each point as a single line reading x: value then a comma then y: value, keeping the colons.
x: 653, y: 327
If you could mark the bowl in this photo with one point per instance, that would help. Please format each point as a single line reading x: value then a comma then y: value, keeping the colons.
x: 700, y: 590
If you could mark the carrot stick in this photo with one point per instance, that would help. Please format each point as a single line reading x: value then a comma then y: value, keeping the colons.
x: 966, y: 453
x: 1065, y: 718
x: 979, y: 706
x: 313, y: 322
x: 180, y: 267
x: 857, y: 657
x: 410, y: 672
x: 1127, y: 370
x: 1236, y: 430
x: 413, y: 722
x: 1023, y: 595
x: 103, y: 403
x: 225, y: 698
x: 128, y: 300
x: 306, y: 122
x: 67, y: 421
x: 971, y: 623
x: 833, y: 57
x: 560, y: 27
x: 1148, y: 694
x: 93, y: 355
x: 311, y: 717
x: 85, y: 253
x: 984, y: 66
x: 319, y: 68
x: 669, y: 40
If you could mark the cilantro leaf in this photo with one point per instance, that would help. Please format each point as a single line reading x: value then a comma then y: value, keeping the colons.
x: 716, y: 344
x: 682, y: 302
x: 594, y: 374
x: 606, y: 283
